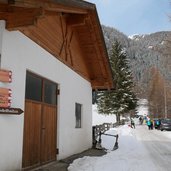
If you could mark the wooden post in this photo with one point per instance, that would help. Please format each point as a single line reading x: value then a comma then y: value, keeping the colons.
x: 94, y: 136
x: 116, y: 143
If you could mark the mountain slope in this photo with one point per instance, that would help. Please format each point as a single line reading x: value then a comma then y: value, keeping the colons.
x: 150, y: 61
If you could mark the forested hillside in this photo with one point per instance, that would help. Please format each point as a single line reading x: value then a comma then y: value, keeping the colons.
x: 150, y: 61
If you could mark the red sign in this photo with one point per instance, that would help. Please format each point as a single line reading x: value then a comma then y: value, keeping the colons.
x: 5, y: 104
x: 5, y: 97
x: 5, y: 91
x: 5, y: 76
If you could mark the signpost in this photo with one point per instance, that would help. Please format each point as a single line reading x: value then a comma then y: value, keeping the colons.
x: 5, y: 91
x: 5, y: 76
x: 9, y: 111
x: 5, y: 95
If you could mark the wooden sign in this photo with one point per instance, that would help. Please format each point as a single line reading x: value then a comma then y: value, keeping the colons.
x: 5, y: 104
x: 5, y: 97
x: 5, y: 91
x: 5, y: 76
x: 11, y: 111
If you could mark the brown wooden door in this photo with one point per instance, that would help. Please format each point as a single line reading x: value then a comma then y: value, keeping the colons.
x: 48, y: 138
x: 39, y: 145
x: 40, y: 122
x: 32, y: 132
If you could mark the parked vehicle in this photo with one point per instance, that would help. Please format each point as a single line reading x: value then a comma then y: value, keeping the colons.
x: 165, y: 124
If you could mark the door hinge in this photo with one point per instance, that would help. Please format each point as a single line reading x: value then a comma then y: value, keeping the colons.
x: 58, y: 92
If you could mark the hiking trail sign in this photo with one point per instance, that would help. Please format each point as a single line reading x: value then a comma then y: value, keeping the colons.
x: 5, y: 97
x: 5, y: 76
x: 11, y: 111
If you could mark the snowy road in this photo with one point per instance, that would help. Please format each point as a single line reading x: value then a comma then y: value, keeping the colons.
x: 158, y: 145
x: 139, y: 149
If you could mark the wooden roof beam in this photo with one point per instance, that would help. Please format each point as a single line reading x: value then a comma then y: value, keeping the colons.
x: 50, y: 6
x: 75, y: 20
x: 18, y: 17
x: 103, y: 63
x: 100, y: 84
x: 7, y: 1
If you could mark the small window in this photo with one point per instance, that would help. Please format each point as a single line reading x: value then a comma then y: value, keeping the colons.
x: 78, y: 115
x: 33, y: 87
x: 40, y: 89
x: 50, y: 93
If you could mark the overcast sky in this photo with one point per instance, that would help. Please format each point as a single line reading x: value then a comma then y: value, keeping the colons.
x: 135, y: 16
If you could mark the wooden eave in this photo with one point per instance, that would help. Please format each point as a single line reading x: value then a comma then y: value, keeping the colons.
x: 30, y: 17
x: 97, y: 54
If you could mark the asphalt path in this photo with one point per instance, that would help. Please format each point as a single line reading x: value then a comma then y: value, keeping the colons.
x: 158, y: 146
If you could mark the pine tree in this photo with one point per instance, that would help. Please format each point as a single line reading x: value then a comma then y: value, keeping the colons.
x: 122, y: 98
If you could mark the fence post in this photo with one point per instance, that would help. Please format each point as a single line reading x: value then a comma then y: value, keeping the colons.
x: 116, y: 143
x: 94, y: 136
x: 100, y: 139
x: 98, y: 130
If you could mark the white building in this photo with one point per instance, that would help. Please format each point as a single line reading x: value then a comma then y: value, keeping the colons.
x: 57, y: 56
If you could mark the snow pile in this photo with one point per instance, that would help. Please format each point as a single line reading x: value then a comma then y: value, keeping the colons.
x: 167, y: 134
x: 133, y: 36
x: 150, y: 47
x: 137, y: 37
x: 128, y: 157
x: 163, y: 43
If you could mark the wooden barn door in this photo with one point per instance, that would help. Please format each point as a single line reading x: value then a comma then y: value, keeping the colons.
x: 40, y: 122
x: 48, y: 138
x: 32, y: 131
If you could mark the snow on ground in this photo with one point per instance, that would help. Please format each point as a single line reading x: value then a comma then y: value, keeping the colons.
x: 142, y: 108
x: 130, y: 156
x: 100, y: 119
x: 167, y: 134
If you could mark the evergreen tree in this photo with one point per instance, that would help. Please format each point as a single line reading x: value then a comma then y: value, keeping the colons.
x: 122, y: 99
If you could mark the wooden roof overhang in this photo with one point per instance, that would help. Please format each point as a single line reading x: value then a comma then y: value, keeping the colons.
x: 39, y: 20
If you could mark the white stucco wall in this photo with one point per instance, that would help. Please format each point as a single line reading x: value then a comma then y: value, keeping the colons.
x: 19, y: 54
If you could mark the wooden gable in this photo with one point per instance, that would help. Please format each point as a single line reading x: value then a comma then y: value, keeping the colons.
x: 68, y: 29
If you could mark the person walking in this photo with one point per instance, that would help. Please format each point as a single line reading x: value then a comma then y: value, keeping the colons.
x: 149, y: 124
x: 132, y: 123
x: 157, y: 123
x: 141, y: 120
